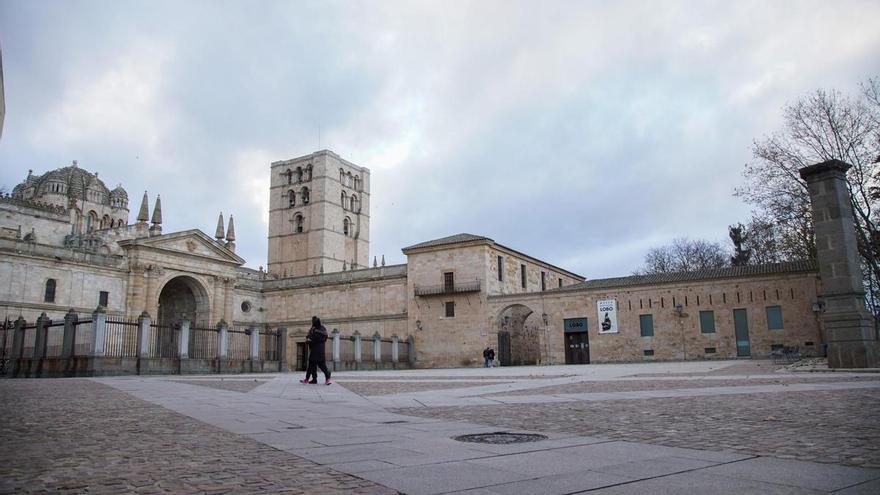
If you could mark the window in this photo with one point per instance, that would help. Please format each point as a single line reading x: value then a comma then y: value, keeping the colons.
x: 501, y: 269
x: 709, y: 350
x: 49, y: 296
x: 560, y: 283
x: 522, y: 275
x: 774, y: 317
x: 245, y: 306
x: 345, y: 226
x: 305, y: 195
x: 543, y: 281
x: 291, y: 199
x: 309, y: 172
x: 450, y: 309
x: 707, y: 321
x: 343, y: 198
x: 103, y: 298
x: 357, y: 183
x: 298, y: 221
x: 448, y: 281
x: 354, y: 200
x: 299, y: 174
x: 648, y: 352
x: 646, y: 324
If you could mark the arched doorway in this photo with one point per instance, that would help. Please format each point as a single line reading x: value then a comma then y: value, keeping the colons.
x: 519, y: 336
x: 182, y: 298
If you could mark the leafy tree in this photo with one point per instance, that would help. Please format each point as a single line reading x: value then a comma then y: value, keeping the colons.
x: 683, y: 255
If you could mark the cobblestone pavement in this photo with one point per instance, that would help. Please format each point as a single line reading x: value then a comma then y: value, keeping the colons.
x: 236, y: 385
x: 79, y: 436
x: 838, y: 427
x: 368, y: 389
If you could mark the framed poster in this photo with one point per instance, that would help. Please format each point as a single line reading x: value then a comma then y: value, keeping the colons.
x: 607, y: 314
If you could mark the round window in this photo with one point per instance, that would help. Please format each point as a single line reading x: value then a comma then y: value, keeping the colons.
x: 246, y: 306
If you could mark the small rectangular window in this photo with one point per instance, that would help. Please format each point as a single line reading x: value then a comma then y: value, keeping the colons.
x: 450, y: 309
x: 709, y: 350
x: 774, y: 317
x: 707, y: 321
x: 500, y: 269
x: 522, y: 275
x: 103, y: 297
x: 448, y: 282
x: 543, y: 280
x: 648, y: 352
x: 49, y: 295
x: 646, y: 324
x: 560, y: 282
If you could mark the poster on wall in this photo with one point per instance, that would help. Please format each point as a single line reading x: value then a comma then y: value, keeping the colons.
x: 607, y: 315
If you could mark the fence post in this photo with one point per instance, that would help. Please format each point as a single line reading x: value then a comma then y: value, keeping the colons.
x: 395, y: 352
x: 43, y: 323
x: 183, y: 340
x: 282, y: 350
x: 222, y: 336
x: 377, y: 349
x: 70, y: 320
x: 356, y: 336
x: 337, y: 355
x: 17, y: 345
x: 144, y: 335
x: 411, y: 350
x: 255, y: 343
x: 99, y: 321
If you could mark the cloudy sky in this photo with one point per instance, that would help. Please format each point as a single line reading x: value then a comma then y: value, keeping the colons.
x: 582, y: 133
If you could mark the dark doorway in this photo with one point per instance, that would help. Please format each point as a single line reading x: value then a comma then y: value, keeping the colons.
x: 504, y: 348
x: 302, y: 356
x: 577, y: 348
x: 183, y: 298
x: 741, y: 326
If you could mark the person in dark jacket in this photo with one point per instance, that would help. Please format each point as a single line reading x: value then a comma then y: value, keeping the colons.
x: 488, y: 357
x: 316, y: 338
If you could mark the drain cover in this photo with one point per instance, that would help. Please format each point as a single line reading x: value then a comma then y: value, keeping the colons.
x: 500, y: 437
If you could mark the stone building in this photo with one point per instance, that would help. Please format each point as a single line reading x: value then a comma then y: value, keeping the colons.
x: 66, y: 241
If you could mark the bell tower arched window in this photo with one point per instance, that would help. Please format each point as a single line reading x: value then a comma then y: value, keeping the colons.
x: 309, y: 172
x: 354, y: 203
x: 298, y: 222
x: 49, y: 295
x: 291, y: 199
x: 357, y: 183
x: 299, y: 174
x: 346, y: 227
x: 305, y: 195
x: 344, y: 200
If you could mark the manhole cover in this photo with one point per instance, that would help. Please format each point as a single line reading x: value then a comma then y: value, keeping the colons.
x: 396, y: 422
x: 500, y: 437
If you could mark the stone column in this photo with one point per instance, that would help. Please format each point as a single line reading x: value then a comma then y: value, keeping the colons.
x: 255, y: 343
x: 69, y: 339
x: 849, y: 326
x: 17, y: 345
x: 282, y: 350
x: 144, y: 335
x: 337, y: 354
x: 99, y: 322
x: 356, y: 337
x: 43, y: 323
x: 222, y: 339
x: 183, y: 340
x: 395, y: 351
x: 377, y: 349
x: 411, y: 348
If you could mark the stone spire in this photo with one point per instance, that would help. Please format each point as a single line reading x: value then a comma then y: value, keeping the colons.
x: 156, y: 228
x: 230, y: 235
x: 383, y: 260
x: 374, y: 262
x: 218, y: 234
x: 143, y: 214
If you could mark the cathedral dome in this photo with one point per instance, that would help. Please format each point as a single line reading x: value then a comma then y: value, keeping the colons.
x: 76, y: 181
x: 118, y: 197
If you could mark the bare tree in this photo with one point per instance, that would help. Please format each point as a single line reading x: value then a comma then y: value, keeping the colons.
x: 739, y: 237
x: 822, y: 126
x: 683, y: 255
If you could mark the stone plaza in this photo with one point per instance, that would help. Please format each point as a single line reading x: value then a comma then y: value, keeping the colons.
x: 735, y: 426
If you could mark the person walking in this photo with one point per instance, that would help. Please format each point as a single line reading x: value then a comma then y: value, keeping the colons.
x: 316, y: 338
x: 488, y: 357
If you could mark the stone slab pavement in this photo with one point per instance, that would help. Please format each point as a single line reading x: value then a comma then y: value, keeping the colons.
x: 340, y: 433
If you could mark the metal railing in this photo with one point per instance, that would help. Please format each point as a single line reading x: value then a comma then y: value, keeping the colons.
x: 203, y: 343
x: 120, y: 337
x: 456, y: 288
x: 84, y: 338
x: 163, y: 341
x: 54, y: 338
x: 269, y: 345
x: 239, y: 343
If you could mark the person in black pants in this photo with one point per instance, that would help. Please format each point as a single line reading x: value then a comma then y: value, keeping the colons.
x: 316, y: 338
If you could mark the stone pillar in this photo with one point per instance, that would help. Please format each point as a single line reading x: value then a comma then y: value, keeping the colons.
x: 99, y: 322
x: 43, y: 323
x: 222, y: 339
x: 282, y: 350
x: 183, y: 340
x: 395, y: 351
x: 144, y: 335
x: 377, y: 349
x: 69, y: 339
x: 356, y: 337
x: 411, y: 350
x: 17, y: 345
x: 337, y: 354
x: 849, y: 326
x: 255, y: 343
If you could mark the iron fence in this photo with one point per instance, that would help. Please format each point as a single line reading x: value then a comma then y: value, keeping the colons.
x: 6, y: 330
x: 238, y: 343
x: 367, y: 351
x: 346, y: 350
x: 269, y: 345
x: 29, y: 341
x: 386, y: 350
x: 402, y: 352
x: 202, y: 343
x: 163, y: 340
x: 54, y: 338
x: 84, y: 338
x: 120, y: 337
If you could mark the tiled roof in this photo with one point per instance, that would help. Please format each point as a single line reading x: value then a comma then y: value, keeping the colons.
x: 707, y: 274
x: 453, y: 239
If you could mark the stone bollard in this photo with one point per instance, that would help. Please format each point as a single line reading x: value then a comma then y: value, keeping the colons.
x: 183, y: 340
x: 283, y: 365
x: 144, y: 335
x: 377, y: 349
x: 356, y: 337
x: 222, y: 339
x: 17, y: 345
x: 67, y: 343
x: 395, y: 351
x: 337, y: 354
x: 99, y: 323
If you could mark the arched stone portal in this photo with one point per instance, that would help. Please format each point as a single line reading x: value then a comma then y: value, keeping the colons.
x: 520, y: 327
x: 182, y: 298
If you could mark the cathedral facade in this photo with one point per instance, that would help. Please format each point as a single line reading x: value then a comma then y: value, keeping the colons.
x: 68, y: 242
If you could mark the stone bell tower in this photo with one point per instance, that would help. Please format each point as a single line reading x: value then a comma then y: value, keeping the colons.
x: 319, y: 215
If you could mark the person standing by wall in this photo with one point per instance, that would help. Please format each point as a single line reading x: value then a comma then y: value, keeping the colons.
x: 488, y: 357
x: 316, y: 339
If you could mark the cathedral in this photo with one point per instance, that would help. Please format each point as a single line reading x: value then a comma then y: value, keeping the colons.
x: 68, y: 243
